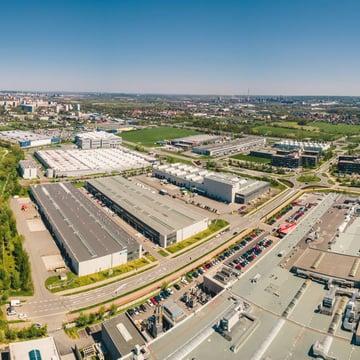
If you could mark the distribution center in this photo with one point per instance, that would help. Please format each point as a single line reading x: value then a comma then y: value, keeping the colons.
x: 163, y: 220
x: 97, y: 140
x: 89, y: 240
x: 219, y: 186
x: 75, y: 162
x: 230, y: 147
x: 27, y: 139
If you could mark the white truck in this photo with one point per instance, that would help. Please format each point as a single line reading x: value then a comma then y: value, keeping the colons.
x: 15, y: 302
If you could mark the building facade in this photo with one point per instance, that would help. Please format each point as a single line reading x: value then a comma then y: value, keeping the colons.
x: 28, y: 169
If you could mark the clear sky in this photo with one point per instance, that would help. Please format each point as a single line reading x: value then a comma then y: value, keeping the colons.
x: 182, y: 46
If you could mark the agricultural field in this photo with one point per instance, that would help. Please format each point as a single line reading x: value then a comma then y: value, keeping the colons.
x: 255, y: 159
x: 149, y: 137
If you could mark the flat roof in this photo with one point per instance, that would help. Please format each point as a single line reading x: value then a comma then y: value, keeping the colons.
x: 22, y: 135
x: 45, y: 346
x: 161, y: 213
x: 27, y: 164
x: 94, y: 160
x: 196, y: 138
x: 87, y: 231
x: 97, y: 135
x: 240, y: 141
x: 123, y: 334
x: 329, y: 264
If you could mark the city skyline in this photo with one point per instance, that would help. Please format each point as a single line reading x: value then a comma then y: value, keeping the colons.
x: 182, y: 48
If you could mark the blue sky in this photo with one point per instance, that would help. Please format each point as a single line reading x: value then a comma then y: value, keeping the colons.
x: 187, y: 46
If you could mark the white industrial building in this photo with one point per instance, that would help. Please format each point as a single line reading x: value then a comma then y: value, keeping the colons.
x: 28, y: 139
x: 302, y: 145
x: 37, y: 349
x: 219, y: 186
x: 195, y: 140
x: 89, y: 240
x: 97, y: 140
x: 75, y: 162
x: 162, y: 219
x: 230, y: 147
x: 28, y: 169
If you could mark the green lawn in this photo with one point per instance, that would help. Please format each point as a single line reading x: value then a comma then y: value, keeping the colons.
x: 54, y: 284
x: 308, y: 178
x: 149, y: 137
x: 213, y: 228
x: 256, y: 159
x: 162, y: 252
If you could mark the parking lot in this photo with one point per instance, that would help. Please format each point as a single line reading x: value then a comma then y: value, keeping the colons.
x: 187, y: 294
x: 201, y: 202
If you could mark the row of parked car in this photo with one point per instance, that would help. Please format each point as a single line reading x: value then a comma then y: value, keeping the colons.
x: 155, y: 300
x: 247, y: 257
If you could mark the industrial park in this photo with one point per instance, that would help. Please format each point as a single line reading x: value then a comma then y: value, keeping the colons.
x: 180, y: 180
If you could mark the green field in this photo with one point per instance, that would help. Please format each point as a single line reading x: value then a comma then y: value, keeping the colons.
x: 256, y: 159
x: 149, y: 137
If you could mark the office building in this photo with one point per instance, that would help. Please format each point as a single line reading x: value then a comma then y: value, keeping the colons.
x: 97, y: 140
x: 219, y: 186
x: 89, y: 240
x: 230, y: 147
x: 162, y: 219
x: 27, y: 139
x: 349, y: 164
x: 292, y: 159
x: 122, y: 338
x: 30, y: 108
x: 38, y: 349
x: 75, y: 162
x: 28, y: 169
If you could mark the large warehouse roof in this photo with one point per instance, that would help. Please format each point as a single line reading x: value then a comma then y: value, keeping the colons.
x: 240, y: 141
x: 87, y: 231
x: 71, y: 161
x: 161, y: 213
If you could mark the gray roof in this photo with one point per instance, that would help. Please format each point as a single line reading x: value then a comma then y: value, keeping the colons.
x: 26, y: 164
x: 123, y: 334
x: 161, y: 213
x: 87, y: 231
x: 225, y: 144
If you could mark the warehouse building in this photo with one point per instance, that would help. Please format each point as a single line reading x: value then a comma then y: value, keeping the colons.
x: 28, y: 169
x: 37, y: 349
x: 122, y: 338
x: 75, y: 162
x: 89, y: 240
x: 97, y: 140
x: 302, y: 145
x: 189, y: 142
x: 163, y: 220
x: 349, y: 164
x: 28, y: 139
x: 230, y: 147
x: 223, y: 187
